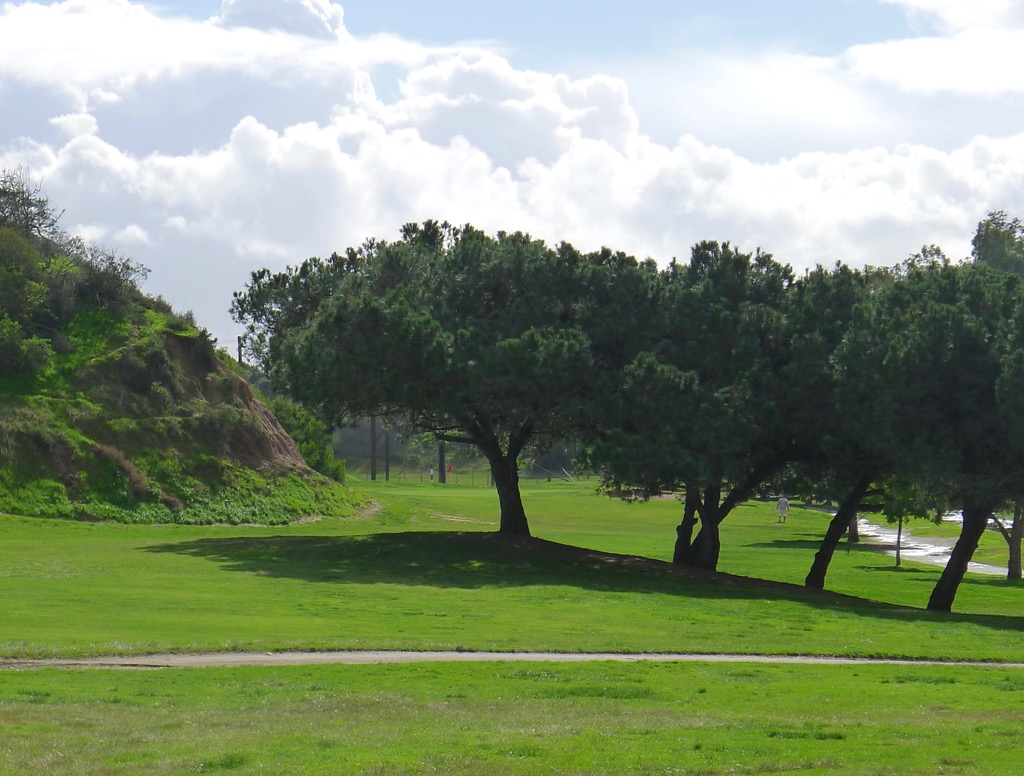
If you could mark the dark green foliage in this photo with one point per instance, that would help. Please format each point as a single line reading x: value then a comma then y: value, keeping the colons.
x: 21, y: 356
x: 21, y: 288
x: 498, y: 342
x: 999, y: 242
x: 704, y: 406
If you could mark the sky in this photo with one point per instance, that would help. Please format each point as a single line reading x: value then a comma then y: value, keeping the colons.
x: 210, y: 139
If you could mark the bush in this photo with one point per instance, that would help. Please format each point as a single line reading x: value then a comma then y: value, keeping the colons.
x: 20, y: 355
x: 21, y: 292
x: 24, y: 208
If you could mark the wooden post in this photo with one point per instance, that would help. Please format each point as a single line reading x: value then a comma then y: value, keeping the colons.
x: 899, y: 541
x: 373, y: 449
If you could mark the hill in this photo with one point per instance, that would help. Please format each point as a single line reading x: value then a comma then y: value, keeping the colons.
x: 114, y: 406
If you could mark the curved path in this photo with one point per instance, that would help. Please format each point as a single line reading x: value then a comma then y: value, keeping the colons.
x: 235, y: 659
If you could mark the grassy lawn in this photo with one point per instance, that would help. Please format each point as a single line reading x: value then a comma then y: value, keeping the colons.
x: 506, y: 718
x: 426, y: 572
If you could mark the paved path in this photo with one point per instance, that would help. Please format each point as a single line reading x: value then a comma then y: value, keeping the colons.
x: 234, y: 659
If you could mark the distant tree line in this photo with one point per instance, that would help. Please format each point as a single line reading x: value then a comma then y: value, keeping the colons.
x: 899, y: 389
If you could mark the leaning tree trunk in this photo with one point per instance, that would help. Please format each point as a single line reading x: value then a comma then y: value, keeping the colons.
x: 684, y: 531
x: 975, y: 520
x: 1013, y: 540
x: 843, y: 519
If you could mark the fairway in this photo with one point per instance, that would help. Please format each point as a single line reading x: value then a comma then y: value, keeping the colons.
x: 424, y: 571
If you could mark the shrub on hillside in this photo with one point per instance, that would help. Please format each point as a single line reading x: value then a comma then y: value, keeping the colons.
x: 311, y: 436
x: 20, y: 355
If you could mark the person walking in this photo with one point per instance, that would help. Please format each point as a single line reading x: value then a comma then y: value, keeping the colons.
x: 783, y: 509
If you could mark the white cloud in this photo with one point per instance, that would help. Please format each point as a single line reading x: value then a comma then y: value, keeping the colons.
x: 953, y: 15
x: 212, y: 148
x: 313, y: 18
x: 979, y: 61
x: 132, y: 234
x: 90, y: 232
x: 75, y: 124
x: 768, y: 103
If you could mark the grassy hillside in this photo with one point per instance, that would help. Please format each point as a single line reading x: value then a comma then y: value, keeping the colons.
x: 115, y: 407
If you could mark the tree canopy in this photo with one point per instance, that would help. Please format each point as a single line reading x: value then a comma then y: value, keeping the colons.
x: 723, y: 377
x: 497, y: 342
x: 701, y: 404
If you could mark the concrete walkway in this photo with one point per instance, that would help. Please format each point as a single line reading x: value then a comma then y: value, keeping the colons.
x: 235, y: 659
x: 934, y: 551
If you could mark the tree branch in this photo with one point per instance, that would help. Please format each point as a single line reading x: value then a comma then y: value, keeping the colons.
x: 741, y: 491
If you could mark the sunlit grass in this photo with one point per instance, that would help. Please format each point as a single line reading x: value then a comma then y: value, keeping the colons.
x: 498, y: 718
x: 428, y: 572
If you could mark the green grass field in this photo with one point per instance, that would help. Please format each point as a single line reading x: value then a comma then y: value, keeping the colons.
x: 506, y: 718
x: 425, y: 572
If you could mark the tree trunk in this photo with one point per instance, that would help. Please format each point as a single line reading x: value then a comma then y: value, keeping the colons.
x: 708, y: 544
x: 703, y: 551
x: 373, y: 449
x: 844, y: 518
x: 975, y: 520
x: 442, y: 471
x: 504, y: 469
x: 707, y: 547
x: 1013, y: 570
x: 505, y: 473
x: 684, y: 531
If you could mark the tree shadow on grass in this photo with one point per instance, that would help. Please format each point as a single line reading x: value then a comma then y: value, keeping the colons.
x: 991, y: 580
x: 789, y: 544
x: 432, y: 558
x: 475, y: 560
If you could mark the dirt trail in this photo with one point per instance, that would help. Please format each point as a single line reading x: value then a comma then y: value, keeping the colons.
x: 235, y: 659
